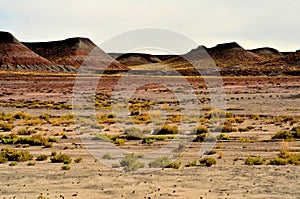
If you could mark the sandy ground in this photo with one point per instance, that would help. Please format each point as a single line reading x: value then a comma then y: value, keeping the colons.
x: 268, y: 96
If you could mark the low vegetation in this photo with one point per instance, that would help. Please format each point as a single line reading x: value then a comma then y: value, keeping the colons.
x: 130, y: 162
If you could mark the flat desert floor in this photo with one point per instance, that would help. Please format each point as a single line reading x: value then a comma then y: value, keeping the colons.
x: 257, y: 108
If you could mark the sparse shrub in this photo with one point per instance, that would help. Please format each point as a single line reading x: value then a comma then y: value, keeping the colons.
x: 115, y: 165
x: 286, y: 135
x: 212, y: 152
x: 13, y: 164
x: 207, y: 161
x: 130, y: 163
x: 191, y: 164
x: 174, y: 165
x: 160, y: 162
x: 147, y: 141
x: 200, y: 130
x: 294, y: 159
x: 3, y: 159
x: 5, y: 126
x: 45, y: 116
x: 21, y: 115
x: 119, y: 141
x: 78, y: 160
x: 166, y: 129
x: 277, y: 161
x: 133, y: 134
x: 53, y: 153
x: 159, y: 137
x: 26, y: 131
x: 13, y: 155
x: 52, y: 140
x: 61, y: 158
x: 107, y: 156
x: 200, y: 138
x: 34, y: 121
x: 30, y: 163
x: 102, y: 137
x: 254, y: 161
x: 41, y: 158
x: 296, y: 132
x: 223, y: 136
x: 66, y: 167
x: 248, y: 128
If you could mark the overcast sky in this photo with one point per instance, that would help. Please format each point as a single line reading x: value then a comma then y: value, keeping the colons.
x: 251, y: 23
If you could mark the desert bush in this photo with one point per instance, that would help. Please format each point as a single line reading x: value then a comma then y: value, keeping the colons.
x: 223, y: 136
x: 212, y: 152
x: 296, y: 132
x: 133, y: 134
x: 227, y: 128
x: 294, y: 159
x: 166, y: 129
x: 30, y: 163
x: 78, y: 160
x: 286, y: 135
x: 247, y: 140
x: 3, y: 159
x: 191, y: 164
x: 207, y: 161
x: 107, y: 156
x: 13, y: 164
x: 53, y: 153
x: 200, y: 137
x: 248, y: 128
x: 102, y: 137
x: 5, y: 126
x: 119, y: 141
x: 17, y: 156
x: 200, y: 130
x: 174, y: 165
x: 8, y: 117
x: 160, y: 162
x: 254, y: 161
x: 21, y: 115
x: 45, y: 116
x: 34, y: 121
x: 61, y: 158
x: 41, y: 158
x: 130, y: 163
x: 277, y: 161
x: 147, y: 141
x: 159, y: 137
x: 66, y: 167
x: 26, y: 131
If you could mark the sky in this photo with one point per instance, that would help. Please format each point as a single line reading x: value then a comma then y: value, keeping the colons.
x: 253, y: 24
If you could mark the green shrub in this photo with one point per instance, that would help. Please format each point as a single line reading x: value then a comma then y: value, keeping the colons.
x: 207, y: 161
x: 174, y: 165
x: 61, y: 158
x: 30, y: 163
x: 13, y: 164
x: 200, y: 138
x: 200, y: 130
x: 294, y: 159
x: 278, y: 161
x: 78, y: 160
x: 191, y: 164
x: 5, y: 126
x: 107, y: 156
x: 21, y: 115
x: 212, y: 152
x: 223, y: 136
x: 41, y: 158
x: 102, y: 136
x: 166, y: 129
x: 160, y: 162
x: 26, y: 131
x: 13, y: 155
x: 254, y: 161
x: 287, y: 135
x: 147, y: 141
x: 119, y: 141
x: 65, y: 167
x: 159, y: 137
x: 3, y: 159
x: 130, y: 163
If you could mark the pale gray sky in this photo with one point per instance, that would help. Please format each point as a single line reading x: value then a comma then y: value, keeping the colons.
x: 252, y: 24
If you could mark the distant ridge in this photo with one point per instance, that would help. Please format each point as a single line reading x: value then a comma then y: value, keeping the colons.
x: 73, y: 52
x: 14, y: 56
